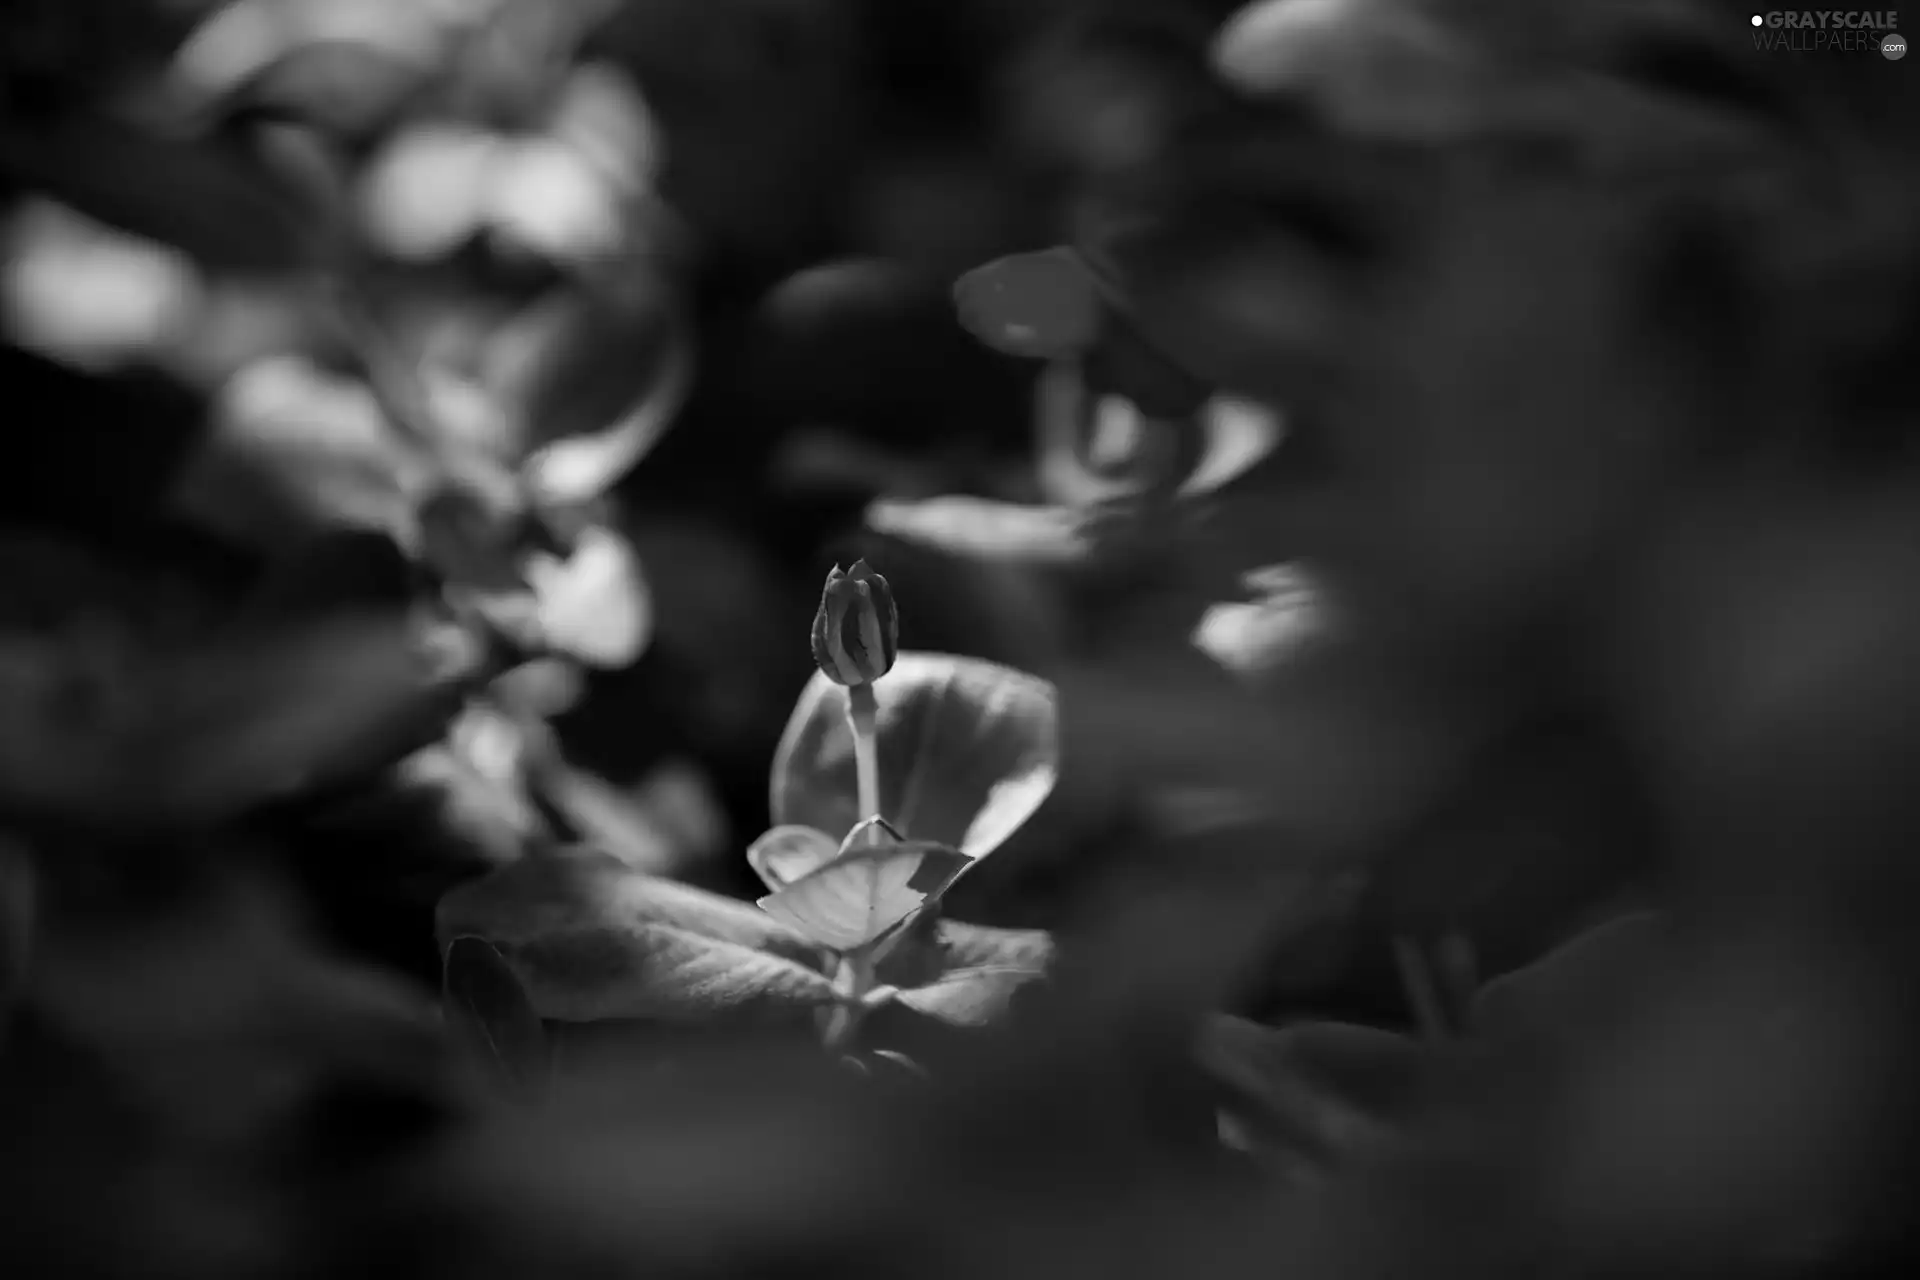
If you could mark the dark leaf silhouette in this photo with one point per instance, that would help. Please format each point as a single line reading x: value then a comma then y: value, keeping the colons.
x: 1580, y: 988
x: 178, y: 192
x: 1319, y: 1092
x: 249, y: 718
x: 591, y: 939
x: 349, y: 88
x: 1032, y: 304
x: 490, y: 1012
x: 593, y: 380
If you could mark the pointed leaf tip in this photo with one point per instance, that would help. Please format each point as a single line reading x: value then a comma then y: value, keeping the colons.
x: 786, y: 854
x: 859, y: 896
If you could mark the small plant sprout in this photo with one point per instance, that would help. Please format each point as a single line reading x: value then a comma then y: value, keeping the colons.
x: 856, y: 637
x: 852, y: 919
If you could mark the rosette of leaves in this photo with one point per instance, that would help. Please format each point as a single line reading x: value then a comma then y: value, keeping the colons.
x: 968, y: 752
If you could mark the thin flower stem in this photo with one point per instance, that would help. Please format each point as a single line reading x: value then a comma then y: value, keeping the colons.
x: 1416, y: 975
x: 862, y: 714
x: 851, y: 985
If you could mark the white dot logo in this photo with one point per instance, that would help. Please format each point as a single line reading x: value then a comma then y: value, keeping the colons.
x: 1759, y: 21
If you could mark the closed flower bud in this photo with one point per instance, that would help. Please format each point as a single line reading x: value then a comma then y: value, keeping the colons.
x: 856, y: 633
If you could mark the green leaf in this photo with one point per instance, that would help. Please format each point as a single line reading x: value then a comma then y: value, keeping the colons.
x: 786, y: 854
x: 970, y: 997
x: 594, y: 605
x: 489, y: 1010
x: 852, y: 900
x: 591, y: 939
x: 968, y: 751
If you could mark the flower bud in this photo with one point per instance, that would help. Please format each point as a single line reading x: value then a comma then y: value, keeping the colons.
x: 856, y: 633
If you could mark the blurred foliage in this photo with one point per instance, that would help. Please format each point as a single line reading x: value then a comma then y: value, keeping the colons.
x: 1404, y: 520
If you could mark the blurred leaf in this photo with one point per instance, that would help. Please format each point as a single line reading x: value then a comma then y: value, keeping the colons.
x: 1548, y: 828
x: 1251, y: 637
x: 492, y: 813
x: 1074, y: 427
x: 679, y: 796
x: 1375, y: 69
x: 221, y: 1013
x: 595, y: 380
x: 786, y: 854
x: 612, y: 821
x: 1319, y: 1091
x: 92, y: 296
x: 541, y: 689
x: 1341, y: 747
x: 347, y: 87
x: 294, y: 451
x: 984, y: 528
x: 471, y: 535
x: 602, y: 115
x: 595, y: 605
x: 592, y: 939
x: 342, y: 568
x: 246, y: 719
x: 181, y: 193
x: 243, y: 39
x: 544, y: 195
x: 901, y: 1061
x: 968, y: 750
x: 1579, y: 988
x: 422, y: 196
x: 1032, y: 304
x: 852, y: 900
x: 242, y: 717
x: 488, y: 1009
x: 969, y: 997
